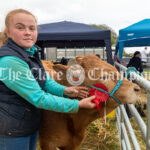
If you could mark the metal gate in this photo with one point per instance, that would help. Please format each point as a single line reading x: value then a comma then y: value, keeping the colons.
x: 123, y: 122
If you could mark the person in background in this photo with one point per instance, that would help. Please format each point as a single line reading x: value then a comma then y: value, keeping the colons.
x: 144, y: 54
x: 25, y: 86
x: 135, y: 61
x: 64, y: 61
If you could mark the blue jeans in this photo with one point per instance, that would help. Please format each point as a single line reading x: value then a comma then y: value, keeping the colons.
x: 19, y: 143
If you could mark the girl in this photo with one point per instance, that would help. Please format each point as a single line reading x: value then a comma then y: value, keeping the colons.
x: 26, y: 88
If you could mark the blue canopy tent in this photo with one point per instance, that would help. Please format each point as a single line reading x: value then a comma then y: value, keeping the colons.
x: 135, y: 35
x: 70, y: 34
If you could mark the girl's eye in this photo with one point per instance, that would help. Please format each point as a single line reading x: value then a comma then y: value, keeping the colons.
x: 20, y: 28
x: 32, y: 28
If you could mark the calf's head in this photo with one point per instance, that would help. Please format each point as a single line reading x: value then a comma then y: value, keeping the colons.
x: 97, y: 71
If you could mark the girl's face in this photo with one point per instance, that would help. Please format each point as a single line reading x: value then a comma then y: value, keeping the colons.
x: 23, y: 30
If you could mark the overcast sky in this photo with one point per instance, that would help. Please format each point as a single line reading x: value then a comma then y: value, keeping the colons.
x: 117, y: 14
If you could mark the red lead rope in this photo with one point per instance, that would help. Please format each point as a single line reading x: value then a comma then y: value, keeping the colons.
x: 100, y: 96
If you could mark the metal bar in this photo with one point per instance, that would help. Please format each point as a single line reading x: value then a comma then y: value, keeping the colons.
x: 94, y: 50
x: 121, y: 127
x: 130, y: 129
x: 121, y: 134
x: 123, y: 145
x: 118, y: 115
x: 84, y: 51
x: 121, y: 121
x: 138, y: 119
x: 118, y: 120
x: 148, y: 122
x: 125, y: 135
x: 118, y: 110
x: 75, y: 52
x: 103, y: 53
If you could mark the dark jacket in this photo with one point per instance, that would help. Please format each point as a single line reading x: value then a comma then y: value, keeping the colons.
x: 136, y: 62
x: 17, y: 116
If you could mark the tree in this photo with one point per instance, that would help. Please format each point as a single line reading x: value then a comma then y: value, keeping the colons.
x: 113, y: 33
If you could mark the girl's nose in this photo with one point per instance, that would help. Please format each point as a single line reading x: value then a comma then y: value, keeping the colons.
x: 27, y: 31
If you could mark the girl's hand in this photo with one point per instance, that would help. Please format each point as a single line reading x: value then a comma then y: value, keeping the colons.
x: 76, y: 91
x: 87, y: 103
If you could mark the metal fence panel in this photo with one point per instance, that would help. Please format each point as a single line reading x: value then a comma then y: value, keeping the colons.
x: 144, y: 129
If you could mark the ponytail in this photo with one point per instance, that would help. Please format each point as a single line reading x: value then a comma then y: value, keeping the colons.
x: 3, y: 38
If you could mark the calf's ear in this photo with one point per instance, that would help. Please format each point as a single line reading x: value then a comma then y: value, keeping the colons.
x: 59, y: 67
x: 78, y: 59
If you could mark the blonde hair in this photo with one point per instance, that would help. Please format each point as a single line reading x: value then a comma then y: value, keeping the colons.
x: 8, y: 19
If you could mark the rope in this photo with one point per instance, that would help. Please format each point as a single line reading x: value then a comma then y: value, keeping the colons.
x: 114, y: 90
x: 132, y: 69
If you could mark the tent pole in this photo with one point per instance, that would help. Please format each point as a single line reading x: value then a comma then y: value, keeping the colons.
x: 75, y: 51
x: 108, y: 51
x: 121, y: 45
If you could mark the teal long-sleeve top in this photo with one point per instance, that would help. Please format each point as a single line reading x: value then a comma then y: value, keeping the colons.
x: 13, y: 73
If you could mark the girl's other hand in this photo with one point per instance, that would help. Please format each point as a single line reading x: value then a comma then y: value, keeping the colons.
x: 76, y: 91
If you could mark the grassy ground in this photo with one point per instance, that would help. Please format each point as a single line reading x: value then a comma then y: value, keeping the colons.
x: 96, y: 139
x: 138, y: 133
